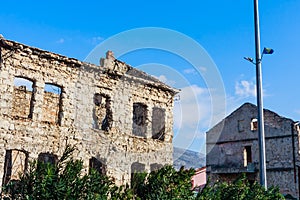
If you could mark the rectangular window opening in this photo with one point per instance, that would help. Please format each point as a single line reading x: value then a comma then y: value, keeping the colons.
x: 247, y: 156
x: 97, y: 165
x: 155, y: 166
x: 254, y: 124
x: 102, y: 115
x: 158, y: 123
x: 136, y: 168
x: 23, y: 97
x: 241, y: 125
x: 16, y: 162
x: 52, y: 104
x: 139, y: 125
x: 47, y: 158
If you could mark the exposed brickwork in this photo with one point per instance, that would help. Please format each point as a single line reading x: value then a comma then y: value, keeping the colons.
x: 121, y: 86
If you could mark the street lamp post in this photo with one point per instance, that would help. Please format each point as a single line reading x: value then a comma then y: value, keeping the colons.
x: 260, y: 111
x: 261, y: 130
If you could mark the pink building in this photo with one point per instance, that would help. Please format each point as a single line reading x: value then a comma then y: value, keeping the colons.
x: 199, y: 179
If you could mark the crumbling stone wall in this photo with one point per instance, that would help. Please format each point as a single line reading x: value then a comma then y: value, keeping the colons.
x: 227, y: 141
x: 75, y: 117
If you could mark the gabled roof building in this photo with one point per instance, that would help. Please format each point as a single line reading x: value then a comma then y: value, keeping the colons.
x: 232, y: 149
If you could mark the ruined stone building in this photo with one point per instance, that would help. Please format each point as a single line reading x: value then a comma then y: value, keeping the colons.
x: 119, y: 118
x: 232, y: 149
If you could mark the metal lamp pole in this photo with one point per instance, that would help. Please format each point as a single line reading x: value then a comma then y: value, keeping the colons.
x: 261, y: 131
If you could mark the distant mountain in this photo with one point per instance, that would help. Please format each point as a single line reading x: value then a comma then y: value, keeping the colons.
x: 187, y: 158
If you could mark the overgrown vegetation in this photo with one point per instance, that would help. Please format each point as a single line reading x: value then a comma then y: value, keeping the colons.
x: 166, y: 183
x: 240, y: 189
x: 64, y: 180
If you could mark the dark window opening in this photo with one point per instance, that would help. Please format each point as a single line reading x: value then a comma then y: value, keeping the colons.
x: 47, y: 158
x: 136, y: 167
x: 155, y: 166
x: 158, y: 123
x: 254, y: 124
x: 102, y: 115
x: 247, y: 156
x: 16, y: 162
x: 23, y: 97
x: 52, y: 104
x: 97, y: 165
x: 139, y: 125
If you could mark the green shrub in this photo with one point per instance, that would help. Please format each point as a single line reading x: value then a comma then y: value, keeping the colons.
x: 165, y: 183
x: 64, y: 180
x: 240, y: 189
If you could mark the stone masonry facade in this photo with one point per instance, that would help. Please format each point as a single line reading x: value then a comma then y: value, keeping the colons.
x: 232, y: 149
x: 119, y: 118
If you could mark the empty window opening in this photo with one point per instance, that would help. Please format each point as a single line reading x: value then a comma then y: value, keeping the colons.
x: 158, y: 123
x: 241, y: 127
x: 139, y: 125
x: 23, y: 97
x: 102, y: 115
x: 247, y: 156
x: 254, y: 124
x: 136, y: 167
x: 52, y: 104
x: 47, y: 158
x: 16, y: 162
x: 97, y: 165
x: 155, y: 166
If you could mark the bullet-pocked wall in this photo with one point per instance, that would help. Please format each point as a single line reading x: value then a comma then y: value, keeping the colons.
x: 107, y: 111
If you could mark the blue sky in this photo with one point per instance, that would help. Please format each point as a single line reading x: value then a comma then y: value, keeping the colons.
x: 224, y: 29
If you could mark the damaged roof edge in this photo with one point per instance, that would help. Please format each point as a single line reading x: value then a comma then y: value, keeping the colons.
x: 157, y: 83
x: 133, y: 72
x: 247, y: 104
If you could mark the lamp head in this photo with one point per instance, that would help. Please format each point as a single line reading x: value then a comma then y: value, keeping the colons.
x: 268, y: 51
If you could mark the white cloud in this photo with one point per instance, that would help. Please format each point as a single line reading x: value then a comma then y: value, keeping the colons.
x: 203, y: 69
x: 297, y: 111
x: 165, y: 80
x: 193, y: 71
x: 96, y: 40
x: 192, y: 114
x: 245, y: 88
x: 189, y: 71
x: 60, y: 41
x: 162, y: 78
